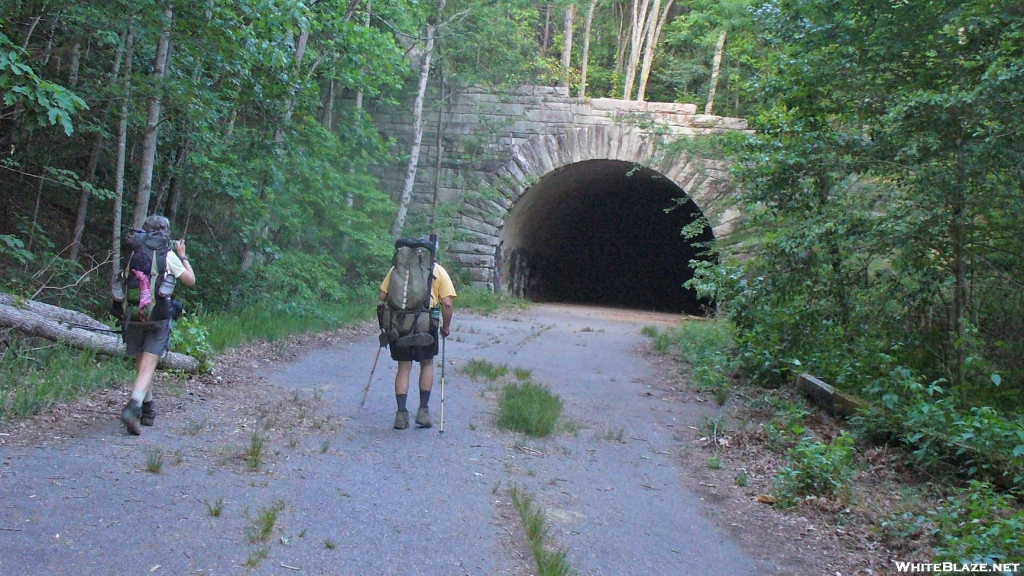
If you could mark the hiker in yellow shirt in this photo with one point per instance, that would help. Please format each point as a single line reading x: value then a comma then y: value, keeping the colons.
x: 442, y: 299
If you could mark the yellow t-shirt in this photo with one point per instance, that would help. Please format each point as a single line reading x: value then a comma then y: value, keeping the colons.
x: 442, y: 286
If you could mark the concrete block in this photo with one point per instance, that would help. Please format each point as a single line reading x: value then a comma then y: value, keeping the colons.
x: 835, y: 402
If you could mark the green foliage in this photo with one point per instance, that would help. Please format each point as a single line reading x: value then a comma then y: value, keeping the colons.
x: 529, y: 408
x: 33, y: 379
x: 816, y: 469
x: 706, y: 345
x: 41, y: 102
x: 979, y: 525
x: 190, y: 336
x: 486, y: 302
x: 979, y: 441
x: 271, y: 322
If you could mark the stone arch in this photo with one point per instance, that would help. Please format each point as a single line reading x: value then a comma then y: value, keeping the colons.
x: 489, y: 221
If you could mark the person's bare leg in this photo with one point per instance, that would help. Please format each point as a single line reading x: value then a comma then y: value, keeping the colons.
x: 427, y: 375
x: 145, y: 364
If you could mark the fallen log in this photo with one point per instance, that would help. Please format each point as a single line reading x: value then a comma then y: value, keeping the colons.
x: 52, y: 312
x: 29, y: 322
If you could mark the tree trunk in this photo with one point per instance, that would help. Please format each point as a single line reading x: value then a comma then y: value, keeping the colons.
x: 94, y: 159
x: 417, y: 126
x: 622, y: 39
x: 152, y: 125
x: 716, y: 68
x: 636, y: 37
x: 32, y: 323
x: 327, y: 118
x: 122, y: 139
x: 586, y: 49
x: 653, y: 35
x: 570, y: 20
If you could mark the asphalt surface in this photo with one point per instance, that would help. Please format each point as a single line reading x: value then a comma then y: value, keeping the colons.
x: 356, y: 497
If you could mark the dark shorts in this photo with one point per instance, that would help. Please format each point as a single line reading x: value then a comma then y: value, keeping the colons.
x: 415, y: 353
x: 152, y: 337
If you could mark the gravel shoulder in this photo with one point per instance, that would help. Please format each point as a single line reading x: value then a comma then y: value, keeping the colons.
x: 337, y: 491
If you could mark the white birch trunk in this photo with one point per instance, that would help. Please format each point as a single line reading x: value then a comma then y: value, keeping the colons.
x: 636, y: 35
x: 653, y: 34
x: 586, y: 49
x: 122, y: 139
x: 570, y: 20
x: 716, y: 68
x: 417, y: 128
x: 152, y: 126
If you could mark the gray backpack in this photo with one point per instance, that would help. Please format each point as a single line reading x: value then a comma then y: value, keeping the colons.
x: 405, y: 316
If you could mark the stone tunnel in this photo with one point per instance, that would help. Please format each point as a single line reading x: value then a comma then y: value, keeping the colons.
x: 559, y: 199
x: 602, y: 232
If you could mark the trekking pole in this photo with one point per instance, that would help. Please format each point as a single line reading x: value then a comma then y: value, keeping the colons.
x: 443, y: 340
x: 367, y: 389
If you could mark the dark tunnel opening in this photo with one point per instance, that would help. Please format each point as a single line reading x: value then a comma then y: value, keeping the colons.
x: 603, y: 232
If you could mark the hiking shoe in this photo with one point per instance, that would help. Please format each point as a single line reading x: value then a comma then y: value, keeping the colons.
x: 131, y: 415
x: 148, y: 414
x: 423, y: 417
x: 401, y: 420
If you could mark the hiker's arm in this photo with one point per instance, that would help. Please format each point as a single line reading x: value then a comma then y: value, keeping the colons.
x: 383, y: 295
x: 188, y: 277
x: 447, y: 308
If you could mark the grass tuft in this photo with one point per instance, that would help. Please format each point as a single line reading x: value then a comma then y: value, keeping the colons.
x: 529, y: 408
x: 484, y: 370
x: 549, y: 562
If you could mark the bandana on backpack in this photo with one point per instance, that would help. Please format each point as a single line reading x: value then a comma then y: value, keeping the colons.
x: 145, y: 290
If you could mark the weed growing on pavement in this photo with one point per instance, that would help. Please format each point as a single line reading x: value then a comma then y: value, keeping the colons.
x: 214, y: 508
x: 550, y: 562
x: 256, y: 556
x: 154, y: 460
x: 263, y: 524
x: 256, y: 452
x: 614, y: 435
x: 193, y: 427
x: 478, y: 369
x: 529, y: 408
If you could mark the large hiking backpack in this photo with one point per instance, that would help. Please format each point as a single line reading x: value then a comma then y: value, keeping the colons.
x: 405, y: 316
x: 142, y: 290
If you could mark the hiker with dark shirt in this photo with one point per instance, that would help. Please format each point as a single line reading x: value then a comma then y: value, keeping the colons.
x: 442, y: 298
x: 150, y: 337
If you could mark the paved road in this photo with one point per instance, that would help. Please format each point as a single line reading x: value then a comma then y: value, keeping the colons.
x: 350, y: 495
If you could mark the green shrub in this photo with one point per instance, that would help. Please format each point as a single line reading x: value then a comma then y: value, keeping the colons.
x: 816, y: 469
x: 979, y: 525
x: 529, y: 408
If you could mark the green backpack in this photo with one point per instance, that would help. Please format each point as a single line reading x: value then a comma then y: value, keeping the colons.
x: 405, y: 316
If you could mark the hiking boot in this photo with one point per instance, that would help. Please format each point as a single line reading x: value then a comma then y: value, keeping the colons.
x: 401, y: 420
x: 131, y: 415
x: 148, y: 414
x: 423, y: 417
